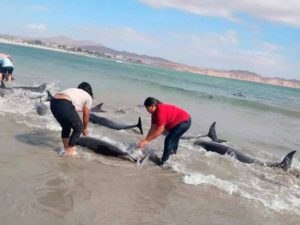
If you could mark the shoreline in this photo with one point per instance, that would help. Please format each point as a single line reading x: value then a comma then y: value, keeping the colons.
x: 9, y: 42
x: 233, y: 75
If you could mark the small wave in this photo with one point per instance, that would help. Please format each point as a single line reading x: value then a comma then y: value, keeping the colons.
x: 283, y: 200
x: 197, y: 179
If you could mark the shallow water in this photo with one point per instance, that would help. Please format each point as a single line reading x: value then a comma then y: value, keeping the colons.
x: 201, y: 187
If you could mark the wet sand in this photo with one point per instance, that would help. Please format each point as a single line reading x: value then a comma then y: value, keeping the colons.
x: 39, y: 187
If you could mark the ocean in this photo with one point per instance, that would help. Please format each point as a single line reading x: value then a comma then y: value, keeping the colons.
x: 201, y: 187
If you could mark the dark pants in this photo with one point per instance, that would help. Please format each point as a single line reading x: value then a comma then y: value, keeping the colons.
x: 172, y: 139
x: 65, y: 113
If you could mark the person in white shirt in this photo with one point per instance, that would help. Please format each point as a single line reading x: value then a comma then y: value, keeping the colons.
x: 6, y: 67
x: 65, y: 105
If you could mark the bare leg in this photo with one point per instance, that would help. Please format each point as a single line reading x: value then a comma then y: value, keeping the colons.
x: 68, y: 148
x: 9, y: 77
x: 1, y: 76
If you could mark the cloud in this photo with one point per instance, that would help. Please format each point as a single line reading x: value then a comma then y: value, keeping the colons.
x: 222, y: 51
x: 37, y: 27
x: 278, y: 11
x: 38, y: 8
x: 225, y: 52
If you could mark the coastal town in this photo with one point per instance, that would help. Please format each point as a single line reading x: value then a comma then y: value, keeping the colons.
x: 88, y: 48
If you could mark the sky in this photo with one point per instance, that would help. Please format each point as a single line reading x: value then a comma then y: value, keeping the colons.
x: 260, y: 36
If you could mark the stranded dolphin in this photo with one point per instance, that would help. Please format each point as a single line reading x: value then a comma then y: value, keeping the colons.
x: 285, y: 164
x: 41, y: 108
x: 98, y: 108
x: 113, y: 125
x: 211, y: 134
x: 40, y: 88
x: 106, y: 148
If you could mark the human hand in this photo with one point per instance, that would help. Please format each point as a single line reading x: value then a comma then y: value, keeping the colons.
x: 85, y: 132
x: 142, y: 143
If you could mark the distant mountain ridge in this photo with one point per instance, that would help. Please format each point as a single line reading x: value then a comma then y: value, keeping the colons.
x: 93, y: 46
x: 96, y: 49
x: 62, y: 40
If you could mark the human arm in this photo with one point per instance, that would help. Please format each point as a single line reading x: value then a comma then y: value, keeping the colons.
x: 85, y: 118
x: 153, y: 133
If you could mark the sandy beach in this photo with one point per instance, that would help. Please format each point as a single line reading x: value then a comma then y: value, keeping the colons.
x: 38, y: 187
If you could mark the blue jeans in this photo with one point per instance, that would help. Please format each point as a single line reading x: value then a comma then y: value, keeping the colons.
x: 172, y: 139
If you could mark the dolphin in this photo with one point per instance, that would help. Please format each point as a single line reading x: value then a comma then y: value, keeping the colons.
x: 221, y: 149
x: 41, y: 108
x: 211, y: 134
x: 40, y: 88
x: 103, y: 121
x: 98, y: 108
x: 113, y: 125
x: 105, y: 148
x: 239, y: 94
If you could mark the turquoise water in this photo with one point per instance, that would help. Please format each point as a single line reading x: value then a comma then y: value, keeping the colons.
x: 274, y: 109
x: 67, y: 69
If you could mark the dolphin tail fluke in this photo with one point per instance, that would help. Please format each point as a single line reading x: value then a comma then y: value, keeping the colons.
x: 49, y: 96
x: 286, y: 163
x: 98, y: 108
x: 2, y: 85
x: 139, y: 125
x: 42, y: 87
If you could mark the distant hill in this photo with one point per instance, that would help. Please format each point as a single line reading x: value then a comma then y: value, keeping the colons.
x: 96, y: 49
x: 62, y: 40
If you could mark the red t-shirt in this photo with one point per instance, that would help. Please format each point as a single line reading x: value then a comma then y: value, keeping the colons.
x: 169, y: 115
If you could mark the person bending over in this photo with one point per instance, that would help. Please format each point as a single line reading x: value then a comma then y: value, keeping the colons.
x: 65, y: 105
x: 166, y: 117
x: 6, y: 68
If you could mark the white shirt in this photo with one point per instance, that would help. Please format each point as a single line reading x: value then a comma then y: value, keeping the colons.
x: 6, y: 62
x: 79, y: 98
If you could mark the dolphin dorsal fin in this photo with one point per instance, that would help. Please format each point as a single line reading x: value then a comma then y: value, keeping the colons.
x: 42, y: 87
x: 98, y: 108
x: 139, y: 125
x: 212, y: 132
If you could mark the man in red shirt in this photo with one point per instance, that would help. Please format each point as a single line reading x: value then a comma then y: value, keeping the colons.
x: 166, y: 117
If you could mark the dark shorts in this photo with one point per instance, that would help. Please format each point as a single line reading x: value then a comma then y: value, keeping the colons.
x: 65, y: 113
x: 8, y: 70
